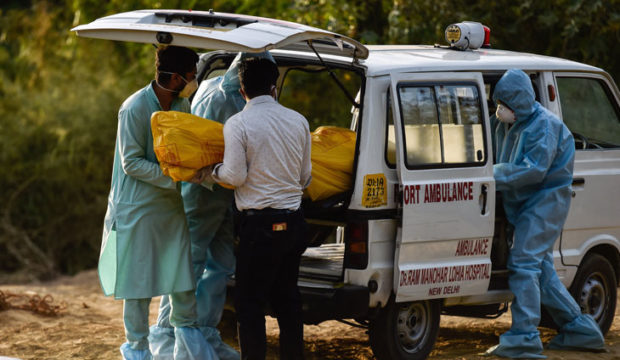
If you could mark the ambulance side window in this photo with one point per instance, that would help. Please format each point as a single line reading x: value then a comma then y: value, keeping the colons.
x: 590, y: 112
x: 443, y: 125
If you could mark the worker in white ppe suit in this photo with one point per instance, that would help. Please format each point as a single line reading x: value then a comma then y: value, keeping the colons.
x: 146, y: 245
x: 209, y: 216
x: 534, y: 171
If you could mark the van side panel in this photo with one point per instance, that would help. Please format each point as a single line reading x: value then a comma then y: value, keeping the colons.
x: 588, y: 103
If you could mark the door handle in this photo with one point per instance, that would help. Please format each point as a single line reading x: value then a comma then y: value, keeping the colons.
x: 577, y: 183
x: 484, y: 190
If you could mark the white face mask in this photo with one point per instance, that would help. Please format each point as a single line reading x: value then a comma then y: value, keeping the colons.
x: 188, y: 89
x: 505, y: 115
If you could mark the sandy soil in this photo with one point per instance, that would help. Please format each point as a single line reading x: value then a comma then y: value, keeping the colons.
x: 91, y: 328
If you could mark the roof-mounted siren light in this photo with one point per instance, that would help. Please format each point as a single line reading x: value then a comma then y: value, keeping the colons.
x: 487, y: 37
x: 467, y: 35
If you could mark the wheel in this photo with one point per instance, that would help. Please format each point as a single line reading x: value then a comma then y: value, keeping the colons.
x: 595, y: 289
x: 405, y: 331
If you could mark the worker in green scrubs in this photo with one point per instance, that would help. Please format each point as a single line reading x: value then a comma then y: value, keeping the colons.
x: 146, y: 245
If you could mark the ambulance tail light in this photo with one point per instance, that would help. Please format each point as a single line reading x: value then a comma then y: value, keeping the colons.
x: 356, y: 245
x: 551, y: 91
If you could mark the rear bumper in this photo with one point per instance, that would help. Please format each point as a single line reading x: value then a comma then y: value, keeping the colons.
x: 331, y: 303
x: 324, y: 302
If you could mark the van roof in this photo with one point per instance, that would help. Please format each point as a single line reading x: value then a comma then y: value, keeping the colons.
x: 233, y: 32
x: 384, y: 59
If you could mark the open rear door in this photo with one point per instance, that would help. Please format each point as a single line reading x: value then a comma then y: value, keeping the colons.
x: 445, y: 169
x: 218, y: 31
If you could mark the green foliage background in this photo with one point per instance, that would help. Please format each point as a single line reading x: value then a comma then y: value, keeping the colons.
x: 59, y: 95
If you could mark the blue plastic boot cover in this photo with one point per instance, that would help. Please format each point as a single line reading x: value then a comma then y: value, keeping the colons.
x: 582, y: 333
x: 518, y: 346
x: 223, y: 350
x: 161, y: 341
x: 190, y: 344
x: 132, y: 354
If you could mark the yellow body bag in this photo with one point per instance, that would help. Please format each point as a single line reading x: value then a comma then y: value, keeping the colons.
x: 333, y: 151
x: 184, y: 143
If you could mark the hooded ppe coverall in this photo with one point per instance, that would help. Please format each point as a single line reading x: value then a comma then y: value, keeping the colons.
x: 533, y: 171
x: 209, y: 217
x: 146, y: 249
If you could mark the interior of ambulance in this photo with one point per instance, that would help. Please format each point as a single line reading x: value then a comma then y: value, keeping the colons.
x: 306, y: 87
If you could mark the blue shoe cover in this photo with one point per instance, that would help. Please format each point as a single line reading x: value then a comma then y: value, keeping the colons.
x: 161, y: 342
x: 582, y: 333
x: 518, y: 346
x: 190, y: 344
x: 222, y: 349
x: 131, y: 354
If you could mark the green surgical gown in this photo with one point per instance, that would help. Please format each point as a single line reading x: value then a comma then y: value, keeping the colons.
x: 145, y: 250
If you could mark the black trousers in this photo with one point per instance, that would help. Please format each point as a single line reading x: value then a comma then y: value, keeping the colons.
x: 271, y: 242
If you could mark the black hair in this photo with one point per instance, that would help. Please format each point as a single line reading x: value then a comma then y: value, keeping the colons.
x: 257, y: 76
x: 174, y: 59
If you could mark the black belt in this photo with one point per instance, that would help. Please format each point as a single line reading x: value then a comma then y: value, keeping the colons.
x: 267, y: 211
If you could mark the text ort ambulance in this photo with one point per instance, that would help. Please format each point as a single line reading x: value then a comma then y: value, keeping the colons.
x: 421, y: 232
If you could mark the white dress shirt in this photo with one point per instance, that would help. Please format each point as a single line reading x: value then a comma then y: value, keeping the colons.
x: 266, y: 156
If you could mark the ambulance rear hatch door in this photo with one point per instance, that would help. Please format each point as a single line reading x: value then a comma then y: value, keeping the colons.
x: 218, y: 31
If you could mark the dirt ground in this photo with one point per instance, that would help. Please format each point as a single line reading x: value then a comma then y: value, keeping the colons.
x: 91, y: 328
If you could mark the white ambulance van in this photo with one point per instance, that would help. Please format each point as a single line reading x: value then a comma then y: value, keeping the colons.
x: 422, y: 231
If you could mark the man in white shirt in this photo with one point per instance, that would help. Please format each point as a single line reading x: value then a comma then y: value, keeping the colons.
x: 267, y: 159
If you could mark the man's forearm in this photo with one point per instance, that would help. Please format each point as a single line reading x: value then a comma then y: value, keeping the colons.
x: 233, y: 176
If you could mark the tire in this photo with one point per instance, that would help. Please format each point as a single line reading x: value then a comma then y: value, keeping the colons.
x: 405, y: 331
x: 595, y: 290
